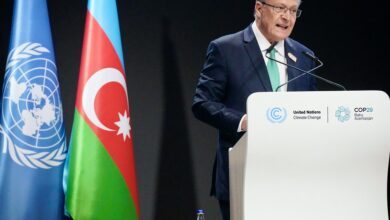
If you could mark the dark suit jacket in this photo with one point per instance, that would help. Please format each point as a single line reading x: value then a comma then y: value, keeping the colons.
x: 233, y: 70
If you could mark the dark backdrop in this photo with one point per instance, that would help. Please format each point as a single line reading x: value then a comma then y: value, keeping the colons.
x: 164, y: 44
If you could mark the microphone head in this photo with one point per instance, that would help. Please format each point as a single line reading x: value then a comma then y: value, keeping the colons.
x: 312, y: 56
x: 271, y: 47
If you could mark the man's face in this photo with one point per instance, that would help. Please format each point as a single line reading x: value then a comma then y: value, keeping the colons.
x: 275, y: 26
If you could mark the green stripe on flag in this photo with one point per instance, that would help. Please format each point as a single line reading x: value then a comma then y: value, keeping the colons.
x: 96, y: 189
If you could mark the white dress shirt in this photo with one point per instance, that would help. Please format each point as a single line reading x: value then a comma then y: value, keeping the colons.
x: 264, y: 44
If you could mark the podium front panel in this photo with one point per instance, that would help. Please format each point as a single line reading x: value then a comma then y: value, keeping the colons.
x: 317, y: 155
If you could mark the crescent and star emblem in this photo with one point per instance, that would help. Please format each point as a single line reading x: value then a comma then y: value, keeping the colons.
x: 92, y: 87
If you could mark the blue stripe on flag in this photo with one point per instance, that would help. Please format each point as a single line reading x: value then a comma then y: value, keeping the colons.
x: 105, y: 12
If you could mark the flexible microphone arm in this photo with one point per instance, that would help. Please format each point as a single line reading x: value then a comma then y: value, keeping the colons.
x: 319, y: 77
x: 300, y: 75
x: 304, y: 72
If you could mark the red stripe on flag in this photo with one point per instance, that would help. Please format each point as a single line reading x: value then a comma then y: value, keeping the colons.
x: 110, y: 101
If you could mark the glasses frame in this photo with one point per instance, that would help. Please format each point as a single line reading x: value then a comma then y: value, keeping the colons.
x: 283, y: 9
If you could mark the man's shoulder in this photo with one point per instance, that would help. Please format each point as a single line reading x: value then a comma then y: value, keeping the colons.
x: 298, y: 46
x: 233, y: 39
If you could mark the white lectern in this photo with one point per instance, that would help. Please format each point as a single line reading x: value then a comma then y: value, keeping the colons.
x: 312, y: 155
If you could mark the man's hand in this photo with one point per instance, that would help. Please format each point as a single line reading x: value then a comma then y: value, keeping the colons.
x: 244, y: 124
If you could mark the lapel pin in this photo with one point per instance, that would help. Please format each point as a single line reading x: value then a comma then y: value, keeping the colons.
x: 294, y: 58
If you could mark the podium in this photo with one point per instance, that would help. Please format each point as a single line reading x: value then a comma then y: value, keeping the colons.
x: 312, y: 155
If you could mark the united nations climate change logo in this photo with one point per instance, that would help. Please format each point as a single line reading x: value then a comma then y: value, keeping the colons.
x: 32, y: 122
x: 343, y: 114
x: 276, y: 114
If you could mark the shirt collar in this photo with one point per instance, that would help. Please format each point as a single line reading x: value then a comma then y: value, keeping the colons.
x: 264, y: 44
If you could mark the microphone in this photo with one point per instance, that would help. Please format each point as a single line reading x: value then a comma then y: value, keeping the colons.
x: 268, y: 50
x: 304, y: 72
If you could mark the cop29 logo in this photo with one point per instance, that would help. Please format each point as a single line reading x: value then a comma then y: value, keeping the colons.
x: 276, y: 114
x: 343, y: 114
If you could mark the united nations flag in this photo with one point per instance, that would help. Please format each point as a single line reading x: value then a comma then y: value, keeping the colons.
x: 33, y: 143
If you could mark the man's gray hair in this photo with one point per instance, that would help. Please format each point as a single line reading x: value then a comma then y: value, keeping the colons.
x: 299, y: 1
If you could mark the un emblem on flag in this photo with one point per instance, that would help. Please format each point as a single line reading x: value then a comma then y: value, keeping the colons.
x: 32, y: 122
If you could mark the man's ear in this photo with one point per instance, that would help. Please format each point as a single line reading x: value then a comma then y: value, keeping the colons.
x: 258, y: 9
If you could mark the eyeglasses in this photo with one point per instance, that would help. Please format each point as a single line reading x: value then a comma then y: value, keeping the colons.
x: 283, y: 9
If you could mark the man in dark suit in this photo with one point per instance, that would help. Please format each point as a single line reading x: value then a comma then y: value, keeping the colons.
x: 237, y: 66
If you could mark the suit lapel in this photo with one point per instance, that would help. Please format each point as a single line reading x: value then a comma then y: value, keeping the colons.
x: 254, y: 52
x: 292, y: 59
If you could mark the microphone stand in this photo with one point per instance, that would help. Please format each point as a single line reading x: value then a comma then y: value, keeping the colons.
x: 304, y: 72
